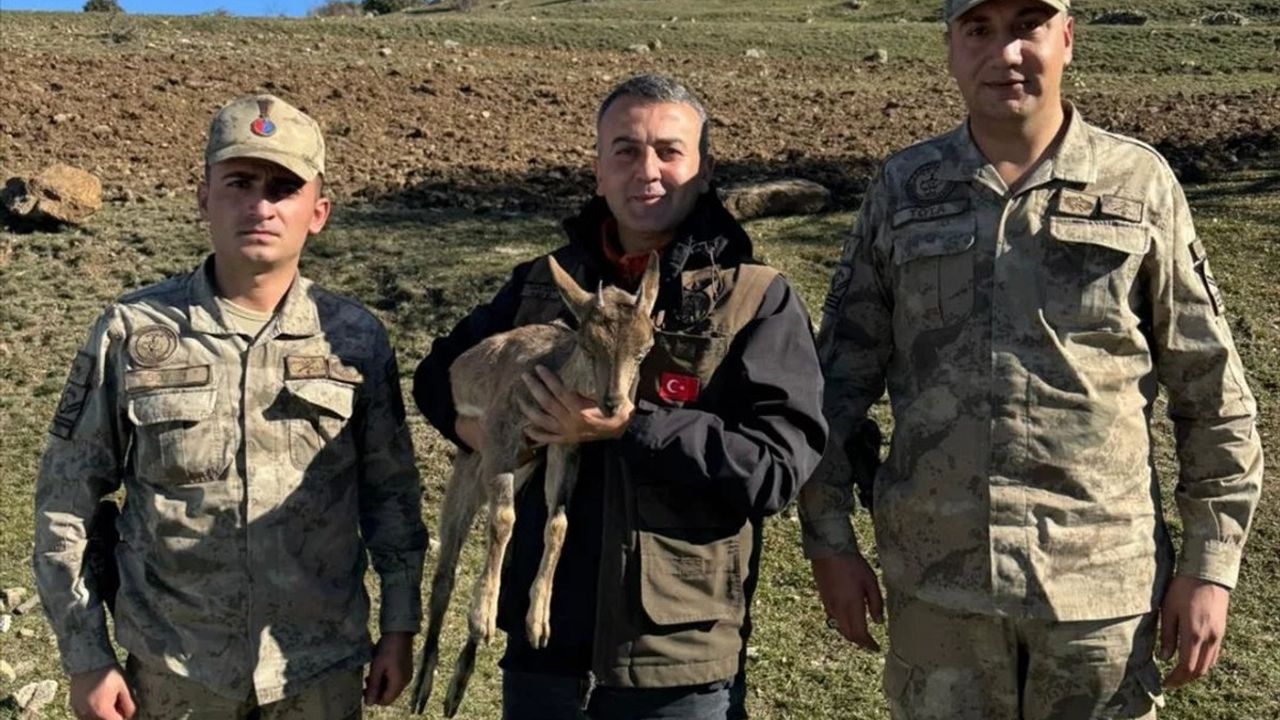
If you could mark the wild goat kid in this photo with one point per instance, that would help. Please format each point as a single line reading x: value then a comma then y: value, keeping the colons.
x: 601, y: 361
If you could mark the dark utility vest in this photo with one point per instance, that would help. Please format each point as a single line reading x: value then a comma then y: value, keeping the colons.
x: 671, y: 600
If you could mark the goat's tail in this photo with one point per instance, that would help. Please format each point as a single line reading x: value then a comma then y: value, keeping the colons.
x: 461, y: 501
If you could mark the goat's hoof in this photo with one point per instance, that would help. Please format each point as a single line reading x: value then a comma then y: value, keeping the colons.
x: 483, y: 627
x: 538, y: 631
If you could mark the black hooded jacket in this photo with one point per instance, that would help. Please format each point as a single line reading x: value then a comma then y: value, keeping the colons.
x: 763, y: 439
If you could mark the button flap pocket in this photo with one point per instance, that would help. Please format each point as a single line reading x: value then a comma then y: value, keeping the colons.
x: 335, y: 398
x: 172, y: 406
x: 932, y: 243
x: 1130, y: 239
x: 684, y: 582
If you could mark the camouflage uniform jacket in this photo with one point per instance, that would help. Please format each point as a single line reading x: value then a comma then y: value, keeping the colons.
x: 1023, y: 335
x: 257, y: 473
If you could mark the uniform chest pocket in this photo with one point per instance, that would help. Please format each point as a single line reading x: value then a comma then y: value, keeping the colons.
x: 1089, y: 270
x: 679, y: 366
x: 320, y: 436
x: 934, y: 268
x: 178, y: 436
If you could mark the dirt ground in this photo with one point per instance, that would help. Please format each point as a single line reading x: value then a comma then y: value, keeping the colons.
x: 508, y: 128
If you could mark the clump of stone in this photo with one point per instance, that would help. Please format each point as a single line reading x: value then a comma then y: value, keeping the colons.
x: 1225, y: 17
x: 792, y: 196
x: 59, y: 194
x: 1120, y: 17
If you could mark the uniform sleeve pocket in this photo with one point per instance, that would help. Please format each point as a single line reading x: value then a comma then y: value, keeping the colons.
x: 684, y: 582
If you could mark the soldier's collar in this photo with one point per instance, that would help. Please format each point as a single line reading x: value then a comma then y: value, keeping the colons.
x: 1073, y: 161
x: 297, y: 316
x: 962, y: 161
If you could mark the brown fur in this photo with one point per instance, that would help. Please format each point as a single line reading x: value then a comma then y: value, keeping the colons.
x: 602, y: 361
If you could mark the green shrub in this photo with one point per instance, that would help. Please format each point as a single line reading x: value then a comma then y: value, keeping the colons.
x: 337, y: 8
x: 105, y: 6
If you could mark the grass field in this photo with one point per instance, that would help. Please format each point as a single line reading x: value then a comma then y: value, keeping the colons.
x: 421, y: 266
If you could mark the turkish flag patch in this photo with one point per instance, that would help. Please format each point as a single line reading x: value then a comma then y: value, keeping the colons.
x: 674, y: 387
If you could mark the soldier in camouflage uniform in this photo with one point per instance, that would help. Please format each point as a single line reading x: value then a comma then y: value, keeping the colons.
x: 1023, y: 285
x: 256, y: 424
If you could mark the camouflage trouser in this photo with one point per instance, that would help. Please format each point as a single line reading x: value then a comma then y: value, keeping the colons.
x: 161, y: 695
x: 945, y: 665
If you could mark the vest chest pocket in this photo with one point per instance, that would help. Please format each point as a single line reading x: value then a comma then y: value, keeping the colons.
x: 320, y: 440
x: 679, y: 366
x: 1089, y: 269
x: 934, y: 270
x: 539, y: 303
x: 178, y: 436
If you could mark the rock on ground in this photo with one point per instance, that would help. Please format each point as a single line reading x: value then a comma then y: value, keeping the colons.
x: 34, y: 697
x: 791, y: 196
x: 1120, y: 17
x: 1224, y: 18
x: 60, y: 193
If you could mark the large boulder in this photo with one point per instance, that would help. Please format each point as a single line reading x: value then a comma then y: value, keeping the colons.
x: 791, y: 196
x: 1224, y: 17
x: 1120, y: 17
x: 60, y: 194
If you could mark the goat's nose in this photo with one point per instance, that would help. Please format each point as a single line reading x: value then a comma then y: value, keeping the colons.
x: 609, y: 407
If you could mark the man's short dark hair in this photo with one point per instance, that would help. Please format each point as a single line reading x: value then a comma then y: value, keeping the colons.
x: 659, y: 89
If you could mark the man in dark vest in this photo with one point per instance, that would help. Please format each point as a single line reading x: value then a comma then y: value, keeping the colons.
x: 649, y: 616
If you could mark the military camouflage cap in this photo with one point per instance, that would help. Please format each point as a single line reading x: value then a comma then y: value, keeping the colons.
x: 266, y: 127
x: 952, y: 9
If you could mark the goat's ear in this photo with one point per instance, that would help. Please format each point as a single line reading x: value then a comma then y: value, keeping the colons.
x: 647, y: 297
x: 571, y: 292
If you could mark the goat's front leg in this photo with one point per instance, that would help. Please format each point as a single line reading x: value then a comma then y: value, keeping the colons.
x: 562, y: 474
x: 502, y: 519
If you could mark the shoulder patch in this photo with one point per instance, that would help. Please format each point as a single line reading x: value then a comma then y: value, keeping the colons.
x: 839, y: 286
x: 924, y: 186
x: 74, y: 394
x: 152, y: 345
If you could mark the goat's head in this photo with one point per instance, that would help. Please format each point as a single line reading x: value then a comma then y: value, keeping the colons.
x: 614, y: 330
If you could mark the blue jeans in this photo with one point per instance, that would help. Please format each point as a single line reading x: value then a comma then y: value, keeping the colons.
x: 539, y: 696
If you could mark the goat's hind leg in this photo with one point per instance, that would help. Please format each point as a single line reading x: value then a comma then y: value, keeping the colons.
x: 462, y: 498
x: 562, y: 474
x: 502, y: 519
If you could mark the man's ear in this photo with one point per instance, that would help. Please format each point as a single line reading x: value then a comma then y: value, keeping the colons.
x: 1069, y: 28
x: 706, y: 172
x: 202, y: 199
x: 320, y: 215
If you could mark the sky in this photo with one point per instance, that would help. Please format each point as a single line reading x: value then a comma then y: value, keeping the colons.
x: 176, y: 7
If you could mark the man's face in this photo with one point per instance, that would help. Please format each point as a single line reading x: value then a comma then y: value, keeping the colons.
x: 1008, y: 56
x: 648, y: 166
x: 259, y: 213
